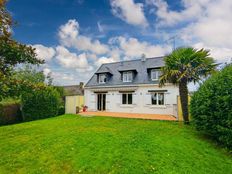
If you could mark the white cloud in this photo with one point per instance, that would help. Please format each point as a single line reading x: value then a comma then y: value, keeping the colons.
x: 69, y: 36
x: 71, y: 60
x: 115, y: 54
x: 221, y: 54
x: 192, y: 9
x: 129, y: 11
x: 133, y: 48
x: 43, y: 52
x: 103, y: 60
x: 46, y: 71
x: 214, y: 28
x: 91, y: 56
x: 205, y: 23
x: 62, y: 76
x: 70, y: 30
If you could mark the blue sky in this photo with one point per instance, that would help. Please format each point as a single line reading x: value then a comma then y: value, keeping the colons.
x: 76, y: 36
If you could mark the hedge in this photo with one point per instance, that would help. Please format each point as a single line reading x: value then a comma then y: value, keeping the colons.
x: 211, y: 107
x: 10, y: 112
x: 40, y: 103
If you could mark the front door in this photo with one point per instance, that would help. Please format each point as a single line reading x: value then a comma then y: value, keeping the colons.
x: 101, y: 102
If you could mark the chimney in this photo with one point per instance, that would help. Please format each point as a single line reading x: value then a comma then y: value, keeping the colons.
x: 143, y: 57
x: 81, y: 85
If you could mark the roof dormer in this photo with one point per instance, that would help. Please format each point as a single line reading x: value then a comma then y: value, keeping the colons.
x: 128, y: 75
x: 154, y: 74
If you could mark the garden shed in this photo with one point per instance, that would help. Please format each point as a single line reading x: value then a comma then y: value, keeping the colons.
x: 74, y: 98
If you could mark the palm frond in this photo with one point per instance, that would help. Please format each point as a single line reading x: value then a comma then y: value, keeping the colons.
x: 187, y: 63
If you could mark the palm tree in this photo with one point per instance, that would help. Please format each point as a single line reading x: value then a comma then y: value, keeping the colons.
x: 185, y: 65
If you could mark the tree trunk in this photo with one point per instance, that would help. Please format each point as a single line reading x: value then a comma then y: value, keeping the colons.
x: 183, y: 91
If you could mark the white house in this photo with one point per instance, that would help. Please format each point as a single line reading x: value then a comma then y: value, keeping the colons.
x: 131, y: 87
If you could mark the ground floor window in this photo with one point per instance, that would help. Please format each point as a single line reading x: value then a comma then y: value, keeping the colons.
x: 157, y: 98
x: 127, y: 98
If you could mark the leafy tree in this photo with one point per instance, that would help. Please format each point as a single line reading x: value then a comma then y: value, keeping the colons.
x: 12, y: 53
x: 29, y: 74
x: 186, y: 65
x: 49, y: 79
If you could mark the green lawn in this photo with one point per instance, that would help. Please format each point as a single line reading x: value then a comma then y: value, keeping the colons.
x: 73, y: 144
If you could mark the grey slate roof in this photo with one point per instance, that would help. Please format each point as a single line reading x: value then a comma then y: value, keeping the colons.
x: 74, y: 90
x: 139, y: 66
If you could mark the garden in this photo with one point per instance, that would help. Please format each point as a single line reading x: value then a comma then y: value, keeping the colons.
x: 74, y: 144
x: 36, y: 136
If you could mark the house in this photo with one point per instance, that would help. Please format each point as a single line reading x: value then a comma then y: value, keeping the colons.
x: 131, y: 87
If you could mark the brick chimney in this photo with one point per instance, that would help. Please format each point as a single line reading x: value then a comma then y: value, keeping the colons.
x: 143, y: 57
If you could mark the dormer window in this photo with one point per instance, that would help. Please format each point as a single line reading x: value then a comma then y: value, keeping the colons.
x: 127, y: 76
x: 102, y: 78
x: 155, y: 74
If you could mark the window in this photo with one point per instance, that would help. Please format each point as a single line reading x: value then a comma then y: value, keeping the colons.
x: 126, y: 99
x: 155, y: 74
x: 127, y: 76
x: 157, y: 98
x: 102, y: 78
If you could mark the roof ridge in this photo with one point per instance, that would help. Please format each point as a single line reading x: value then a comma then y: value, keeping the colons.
x: 68, y: 85
x: 132, y: 60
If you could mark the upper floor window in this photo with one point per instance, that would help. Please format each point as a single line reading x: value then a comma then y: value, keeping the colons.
x: 127, y: 76
x: 102, y: 78
x: 155, y: 74
x: 157, y: 98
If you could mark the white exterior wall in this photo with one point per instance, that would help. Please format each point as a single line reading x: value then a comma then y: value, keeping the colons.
x: 141, y: 100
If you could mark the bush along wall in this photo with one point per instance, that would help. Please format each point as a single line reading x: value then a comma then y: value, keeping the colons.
x: 40, y: 103
x: 211, y: 107
x: 10, y: 113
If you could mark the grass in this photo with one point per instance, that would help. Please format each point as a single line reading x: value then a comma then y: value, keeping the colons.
x: 73, y: 144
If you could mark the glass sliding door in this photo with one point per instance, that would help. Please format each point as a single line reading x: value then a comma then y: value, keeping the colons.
x: 101, y: 102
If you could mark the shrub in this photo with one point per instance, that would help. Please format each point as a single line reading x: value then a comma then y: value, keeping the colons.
x: 40, y: 103
x: 211, y: 107
x: 60, y: 90
x: 61, y: 110
x: 10, y: 112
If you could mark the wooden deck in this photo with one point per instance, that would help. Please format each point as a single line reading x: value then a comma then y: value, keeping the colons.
x: 130, y: 115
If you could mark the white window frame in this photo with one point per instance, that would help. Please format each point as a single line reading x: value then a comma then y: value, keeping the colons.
x: 102, y: 78
x: 157, y: 98
x: 127, y: 100
x: 156, y: 73
x: 127, y: 76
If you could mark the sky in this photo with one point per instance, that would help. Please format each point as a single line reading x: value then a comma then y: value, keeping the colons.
x: 75, y: 37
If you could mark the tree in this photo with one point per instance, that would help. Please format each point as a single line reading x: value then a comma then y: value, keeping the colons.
x: 12, y: 52
x: 49, y: 79
x: 185, y: 65
x: 29, y: 74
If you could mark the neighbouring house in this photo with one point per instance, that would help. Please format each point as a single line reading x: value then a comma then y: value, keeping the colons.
x: 74, y: 98
x: 131, y: 87
x: 74, y: 90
